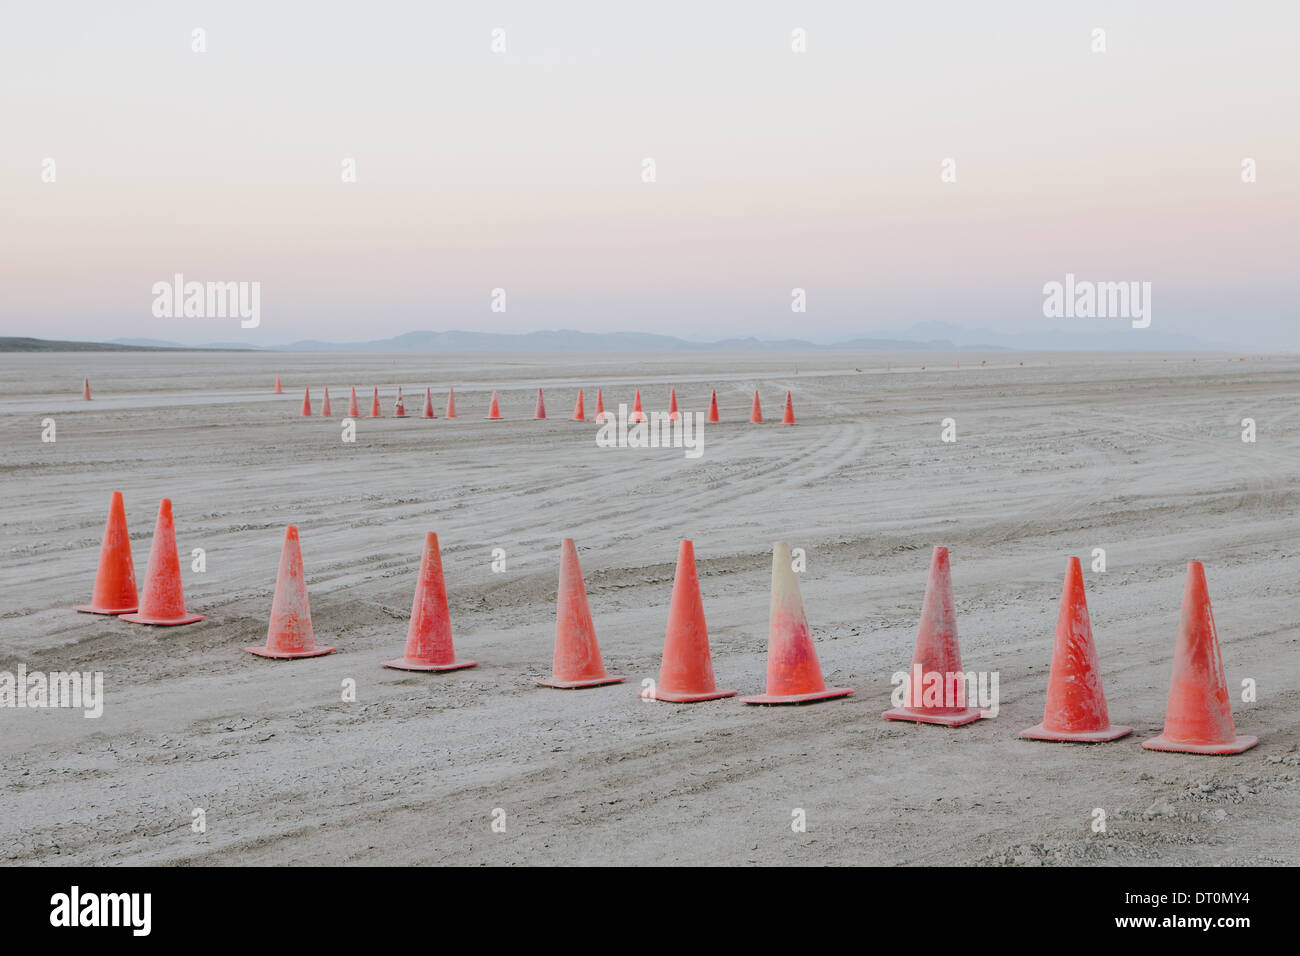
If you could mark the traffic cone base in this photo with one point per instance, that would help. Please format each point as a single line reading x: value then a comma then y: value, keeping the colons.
x: 828, y: 694
x: 1239, y: 744
x: 1113, y: 732
x: 138, y: 618
x: 963, y: 717
x: 91, y: 609
x: 576, y: 684
x: 288, y: 655
x: 673, y: 698
x: 407, y: 665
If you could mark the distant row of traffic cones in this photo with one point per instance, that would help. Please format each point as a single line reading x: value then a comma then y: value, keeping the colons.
x: 1198, y: 716
x: 539, y: 411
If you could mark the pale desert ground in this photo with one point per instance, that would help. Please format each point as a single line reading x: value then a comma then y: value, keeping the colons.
x: 1137, y: 454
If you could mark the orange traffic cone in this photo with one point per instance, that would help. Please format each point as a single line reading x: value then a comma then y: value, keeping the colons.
x: 375, y: 411
x: 1198, y: 718
x: 601, y: 414
x: 1076, y: 706
x: 162, y: 601
x: 937, y: 656
x: 428, y: 640
x: 85, y: 389
x: 115, y: 591
x: 673, y: 414
x: 686, y: 674
x: 577, y: 660
x: 399, y: 406
x: 637, y: 415
x: 579, y: 413
x: 793, y: 674
x: 788, y: 417
x: 540, y: 411
x: 451, y: 403
x: 290, y: 633
x: 713, y: 407
x: 494, y: 409
x: 756, y: 411
x: 428, y: 404
x: 306, y: 403
x: 278, y: 389
x: 325, y: 408
x: 353, y: 410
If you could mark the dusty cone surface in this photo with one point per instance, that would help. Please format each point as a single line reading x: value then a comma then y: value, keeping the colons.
x: 936, y: 653
x: 1076, y: 706
x: 325, y: 405
x: 451, y: 403
x: 375, y: 411
x: 601, y: 414
x: 278, y: 389
x: 353, y: 410
x: 540, y: 411
x: 85, y: 389
x: 115, y: 590
x: 162, y: 600
x: 788, y: 417
x: 428, y: 404
x: 576, y: 662
x: 306, y: 403
x: 637, y: 415
x: 713, y: 407
x: 399, y: 406
x: 428, y: 639
x: 673, y: 414
x: 290, y: 634
x: 686, y: 674
x: 494, y: 409
x: 1198, y: 716
x: 579, y: 413
x: 756, y: 411
x: 794, y: 675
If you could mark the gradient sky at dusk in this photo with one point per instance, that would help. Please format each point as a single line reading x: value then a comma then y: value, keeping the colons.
x: 522, y: 170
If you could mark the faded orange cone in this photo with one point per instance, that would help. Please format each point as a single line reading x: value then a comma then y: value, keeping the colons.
x: 115, y: 591
x: 399, y: 406
x: 579, y: 413
x: 428, y: 640
x: 540, y: 411
x: 375, y: 411
x: 428, y: 404
x: 494, y: 409
x: 673, y: 414
x: 794, y: 675
x: 162, y: 600
x: 936, y: 653
x: 637, y: 415
x: 325, y: 407
x: 601, y: 414
x: 1198, y: 717
x: 756, y: 411
x: 451, y: 403
x: 306, y: 403
x: 788, y: 417
x: 576, y: 662
x: 85, y: 389
x: 713, y: 407
x: 686, y: 674
x: 290, y: 633
x: 278, y: 390
x: 1076, y: 706
x: 353, y: 410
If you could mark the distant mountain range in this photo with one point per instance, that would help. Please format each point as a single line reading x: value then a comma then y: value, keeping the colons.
x: 926, y: 336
